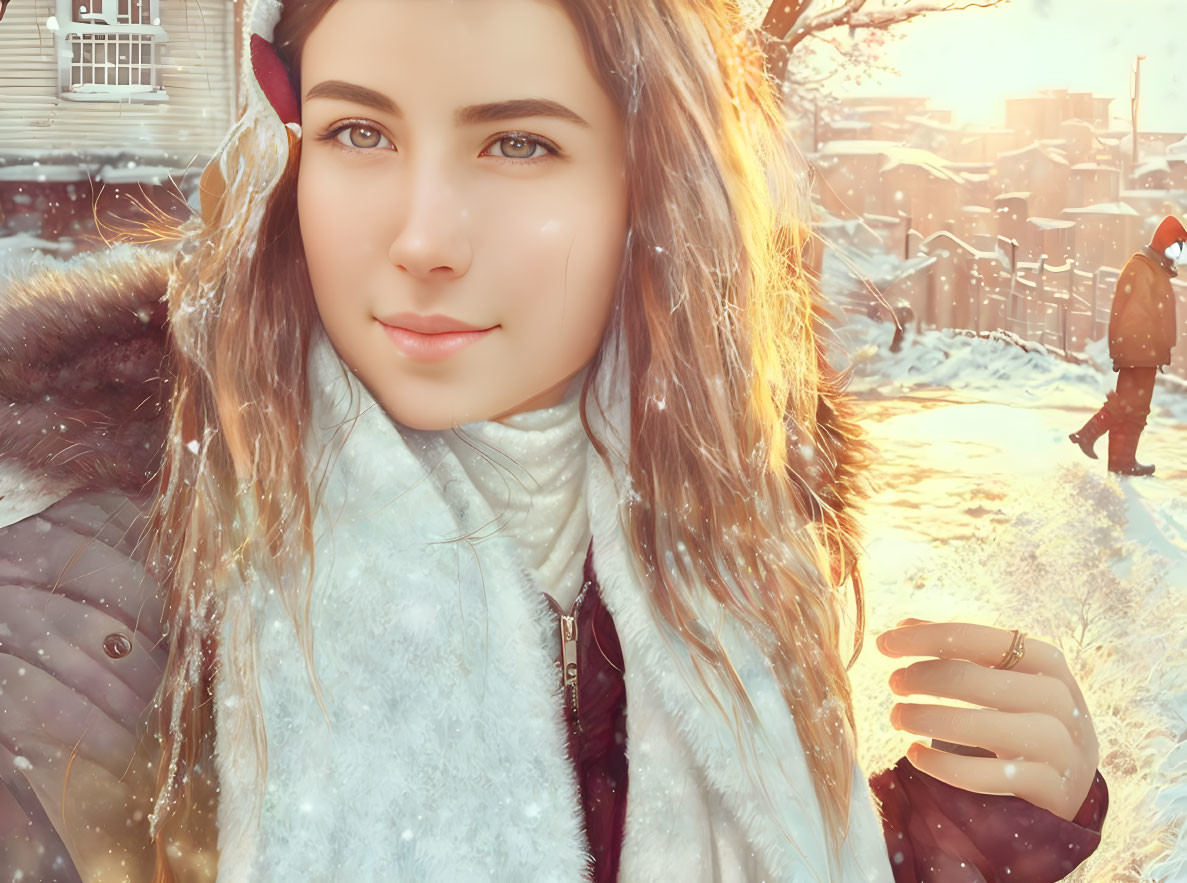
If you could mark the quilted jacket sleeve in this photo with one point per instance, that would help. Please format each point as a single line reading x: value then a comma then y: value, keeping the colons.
x: 81, y: 655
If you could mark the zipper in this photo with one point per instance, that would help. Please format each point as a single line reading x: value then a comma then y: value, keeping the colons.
x: 567, y: 624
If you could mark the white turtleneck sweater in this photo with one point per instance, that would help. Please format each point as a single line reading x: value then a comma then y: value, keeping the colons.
x: 531, y: 470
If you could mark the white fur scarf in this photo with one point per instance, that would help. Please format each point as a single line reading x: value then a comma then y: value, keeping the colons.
x: 444, y: 758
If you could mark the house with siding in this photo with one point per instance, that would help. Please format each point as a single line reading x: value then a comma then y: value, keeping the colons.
x: 109, y: 111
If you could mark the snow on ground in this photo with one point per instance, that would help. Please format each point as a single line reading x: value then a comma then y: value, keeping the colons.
x: 984, y: 511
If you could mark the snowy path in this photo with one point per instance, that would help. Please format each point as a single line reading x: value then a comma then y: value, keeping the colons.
x: 984, y: 511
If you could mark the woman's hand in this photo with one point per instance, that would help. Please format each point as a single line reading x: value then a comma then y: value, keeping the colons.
x: 1032, y: 717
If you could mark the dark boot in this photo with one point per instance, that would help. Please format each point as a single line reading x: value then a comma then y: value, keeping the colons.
x: 1098, y: 424
x: 1123, y: 448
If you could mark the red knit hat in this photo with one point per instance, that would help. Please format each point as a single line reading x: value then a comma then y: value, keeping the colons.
x: 1168, y: 233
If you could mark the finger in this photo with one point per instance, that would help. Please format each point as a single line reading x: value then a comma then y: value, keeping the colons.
x: 982, y: 644
x: 1011, y: 691
x: 1035, y: 782
x: 1031, y: 736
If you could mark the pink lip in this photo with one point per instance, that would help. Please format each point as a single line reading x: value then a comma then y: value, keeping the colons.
x: 434, y: 324
x: 430, y: 338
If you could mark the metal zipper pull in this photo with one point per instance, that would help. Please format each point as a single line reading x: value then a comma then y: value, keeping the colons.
x: 568, y: 626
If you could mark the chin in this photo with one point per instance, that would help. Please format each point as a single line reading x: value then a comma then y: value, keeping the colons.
x: 428, y: 419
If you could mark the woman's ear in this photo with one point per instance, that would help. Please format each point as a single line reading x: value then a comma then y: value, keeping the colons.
x: 274, y: 80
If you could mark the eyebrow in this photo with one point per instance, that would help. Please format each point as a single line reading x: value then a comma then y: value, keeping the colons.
x: 474, y: 113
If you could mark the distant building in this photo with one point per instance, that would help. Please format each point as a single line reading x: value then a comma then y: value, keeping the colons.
x: 1107, y: 234
x: 1011, y: 211
x: 1040, y: 170
x: 1091, y: 183
x: 1039, y: 116
x: 847, y: 174
x: 983, y: 144
x: 1052, y: 237
x: 108, y: 102
x: 1153, y: 174
x: 977, y: 226
x: 1080, y: 144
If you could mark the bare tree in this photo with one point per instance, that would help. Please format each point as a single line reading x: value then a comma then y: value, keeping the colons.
x: 788, y: 23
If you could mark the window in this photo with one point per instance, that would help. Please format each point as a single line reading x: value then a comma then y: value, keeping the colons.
x: 109, y: 50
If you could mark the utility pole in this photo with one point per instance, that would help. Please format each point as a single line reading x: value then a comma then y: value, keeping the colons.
x: 1134, y: 93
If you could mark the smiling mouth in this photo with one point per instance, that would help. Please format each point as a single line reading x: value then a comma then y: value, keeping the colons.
x: 432, y: 346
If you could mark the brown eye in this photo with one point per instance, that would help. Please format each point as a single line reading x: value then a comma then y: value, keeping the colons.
x: 366, y: 137
x: 517, y: 147
x: 360, y: 137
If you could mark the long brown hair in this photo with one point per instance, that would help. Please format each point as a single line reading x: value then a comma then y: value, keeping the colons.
x: 742, y: 452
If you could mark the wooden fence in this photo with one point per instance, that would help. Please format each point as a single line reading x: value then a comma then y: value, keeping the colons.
x: 1062, y: 306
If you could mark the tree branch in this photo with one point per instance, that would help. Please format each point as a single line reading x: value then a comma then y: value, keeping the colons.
x: 852, y: 14
x: 889, y: 17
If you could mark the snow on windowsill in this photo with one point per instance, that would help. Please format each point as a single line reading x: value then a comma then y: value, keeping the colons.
x: 40, y: 172
x: 100, y: 92
x: 137, y: 174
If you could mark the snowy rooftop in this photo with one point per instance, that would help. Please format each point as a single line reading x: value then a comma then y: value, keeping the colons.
x: 843, y: 147
x: 924, y: 122
x: 1103, y: 208
x: 1045, y: 150
x: 1050, y: 223
x: 1094, y: 167
x: 1154, y: 164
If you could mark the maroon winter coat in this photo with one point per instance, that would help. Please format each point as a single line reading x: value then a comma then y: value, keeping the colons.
x: 934, y: 833
x: 1142, y: 326
x: 81, y: 644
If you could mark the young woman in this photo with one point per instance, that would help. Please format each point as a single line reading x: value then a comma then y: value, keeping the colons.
x: 469, y: 481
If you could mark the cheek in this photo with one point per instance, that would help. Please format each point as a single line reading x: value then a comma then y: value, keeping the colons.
x: 333, y: 221
x: 561, y: 264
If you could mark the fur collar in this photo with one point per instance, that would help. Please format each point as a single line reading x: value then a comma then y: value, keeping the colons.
x: 447, y: 641
x: 84, y: 374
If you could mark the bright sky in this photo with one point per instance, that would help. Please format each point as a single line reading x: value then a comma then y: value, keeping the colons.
x: 971, y: 60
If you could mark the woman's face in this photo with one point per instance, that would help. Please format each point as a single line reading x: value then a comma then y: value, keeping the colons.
x: 460, y: 163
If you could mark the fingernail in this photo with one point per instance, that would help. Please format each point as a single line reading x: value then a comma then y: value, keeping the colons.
x: 881, y: 642
x: 895, y: 711
x: 896, y: 679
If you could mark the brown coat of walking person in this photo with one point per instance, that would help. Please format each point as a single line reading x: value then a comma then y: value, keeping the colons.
x: 1141, y: 335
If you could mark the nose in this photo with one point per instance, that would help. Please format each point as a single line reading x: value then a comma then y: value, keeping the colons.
x: 432, y: 241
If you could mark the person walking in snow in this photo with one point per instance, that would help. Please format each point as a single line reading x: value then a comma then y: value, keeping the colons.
x: 1141, y: 336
